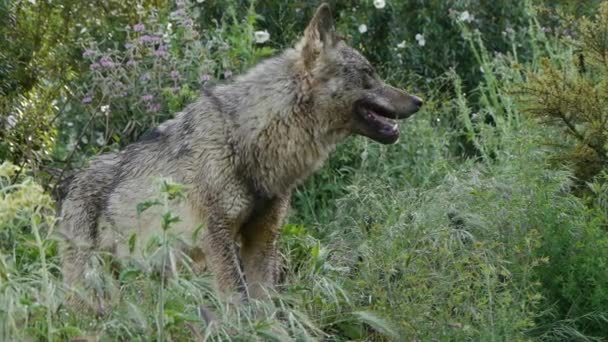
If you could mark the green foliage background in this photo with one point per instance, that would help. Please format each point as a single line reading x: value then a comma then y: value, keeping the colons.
x: 486, y: 222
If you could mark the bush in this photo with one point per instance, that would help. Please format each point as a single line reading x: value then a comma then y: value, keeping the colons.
x: 28, y: 288
x: 571, y: 93
x: 40, y: 64
x: 566, y: 91
x: 157, y: 70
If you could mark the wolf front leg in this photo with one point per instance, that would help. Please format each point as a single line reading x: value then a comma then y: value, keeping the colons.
x: 259, y: 244
x: 221, y: 253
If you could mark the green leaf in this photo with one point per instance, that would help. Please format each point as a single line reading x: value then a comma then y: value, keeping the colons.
x: 353, y: 330
x: 132, y: 241
x: 169, y: 219
x: 143, y: 206
x: 128, y: 275
x: 377, y: 323
x: 197, y: 232
x: 173, y: 190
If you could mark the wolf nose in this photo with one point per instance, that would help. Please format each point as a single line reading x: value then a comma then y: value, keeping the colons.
x: 417, y: 101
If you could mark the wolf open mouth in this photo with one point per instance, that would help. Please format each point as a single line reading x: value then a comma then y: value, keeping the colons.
x: 380, y: 120
x: 377, y: 122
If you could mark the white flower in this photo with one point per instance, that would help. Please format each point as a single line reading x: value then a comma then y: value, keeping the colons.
x: 261, y: 36
x: 104, y: 109
x: 420, y: 39
x: 508, y: 31
x: 379, y: 4
x: 401, y: 45
x: 200, y: 1
x: 100, y: 140
x: 466, y: 17
x: 362, y: 28
x: 11, y: 121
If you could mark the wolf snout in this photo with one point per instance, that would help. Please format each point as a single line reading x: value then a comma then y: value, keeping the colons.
x: 407, y: 105
x: 418, y: 102
x: 403, y: 104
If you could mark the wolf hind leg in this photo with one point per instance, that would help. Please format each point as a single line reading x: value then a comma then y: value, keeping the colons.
x: 80, y: 266
x: 83, y: 280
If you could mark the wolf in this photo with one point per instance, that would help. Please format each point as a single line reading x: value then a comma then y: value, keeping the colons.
x: 239, y: 150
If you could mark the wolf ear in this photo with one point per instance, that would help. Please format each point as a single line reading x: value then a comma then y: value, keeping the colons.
x: 320, y: 34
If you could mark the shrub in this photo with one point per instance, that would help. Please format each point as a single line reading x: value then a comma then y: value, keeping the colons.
x: 40, y: 65
x: 28, y: 289
x: 157, y: 70
x: 571, y: 94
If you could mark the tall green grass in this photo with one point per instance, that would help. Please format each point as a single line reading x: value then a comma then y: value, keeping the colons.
x: 416, y: 241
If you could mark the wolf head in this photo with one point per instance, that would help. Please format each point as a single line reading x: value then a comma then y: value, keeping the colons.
x: 345, y: 87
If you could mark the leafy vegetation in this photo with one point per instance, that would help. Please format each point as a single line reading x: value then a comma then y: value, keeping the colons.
x: 486, y: 222
x: 570, y: 92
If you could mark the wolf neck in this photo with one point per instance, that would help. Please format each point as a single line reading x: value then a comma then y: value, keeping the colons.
x: 280, y: 132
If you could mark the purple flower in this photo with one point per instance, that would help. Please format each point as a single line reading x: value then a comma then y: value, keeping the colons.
x: 145, y: 77
x: 95, y: 66
x: 227, y: 73
x: 161, y: 51
x: 148, y: 39
x: 131, y: 62
x: 129, y: 46
x: 147, y: 98
x: 88, y: 53
x: 138, y: 27
x: 204, y: 78
x: 178, y: 13
x: 106, y: 62
x: 87, y: 99
x: 175, y: 74
x: 154, y: 107
x: 188, y: 22
x: 180, y: 4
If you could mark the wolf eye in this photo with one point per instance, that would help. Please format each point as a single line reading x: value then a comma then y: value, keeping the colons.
x: 368, y: 82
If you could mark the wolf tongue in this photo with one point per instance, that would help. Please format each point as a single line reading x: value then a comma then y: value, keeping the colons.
x: 385, y: 125
x: 389, y: 130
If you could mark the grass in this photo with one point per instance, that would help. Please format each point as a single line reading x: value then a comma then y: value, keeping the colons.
x: 405, y: 242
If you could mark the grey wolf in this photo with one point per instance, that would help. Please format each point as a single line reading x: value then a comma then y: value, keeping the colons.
x: 239, y: 150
